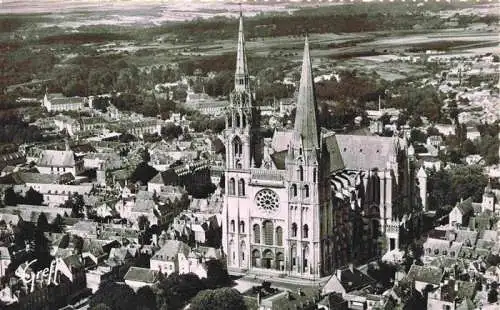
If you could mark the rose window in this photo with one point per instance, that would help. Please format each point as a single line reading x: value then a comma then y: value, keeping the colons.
x: 267, y: 200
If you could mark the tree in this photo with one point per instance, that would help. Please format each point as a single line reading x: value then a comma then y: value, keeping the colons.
x: 115, y: 296
x: 78, y: 243
x: 42, y: 244
x: 146, y: 298
x: 57, y: 224
x: 42, y: 223
x: 76, y: 204
x: 217, y: 275
x: 492, y: 296
x: 145, y: 157
x: 33, y: 197
x: 177, y: 289
x: 143, y: 222
x: 143, y: 173
x: 218, y: 299
x: 11, y: 198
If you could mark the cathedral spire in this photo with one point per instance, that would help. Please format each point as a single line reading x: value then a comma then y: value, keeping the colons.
x: 241, y: 74
x: 305, y: 118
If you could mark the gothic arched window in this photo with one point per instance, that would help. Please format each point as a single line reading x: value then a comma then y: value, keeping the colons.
x: 279, y: 236
x: 256, y: 233
x: 268, y: 228
x: 241, y: 187
x: 244, y: 120
x: 294, y: 230
x: 237, y: 146
x: 301, y: 173
x: 306, y: 190
x: 238, y: 120
x: 232, y: 184
x: 315, y: 174
x: 294, y: 190
x: 232, y: 226
x: 305, y: 231
x: 242, y: 227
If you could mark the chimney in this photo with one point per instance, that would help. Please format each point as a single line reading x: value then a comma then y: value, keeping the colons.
x: 339, y: 274
x: 258, y: 298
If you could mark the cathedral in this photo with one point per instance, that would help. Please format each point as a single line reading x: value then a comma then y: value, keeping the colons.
x: 308, y: 201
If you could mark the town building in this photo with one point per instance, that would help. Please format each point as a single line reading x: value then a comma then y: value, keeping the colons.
x: 60, y: 162
x: 58, y: 102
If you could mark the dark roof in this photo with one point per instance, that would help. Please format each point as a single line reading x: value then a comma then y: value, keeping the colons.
x: 30, y: 177
x: 355, y: 279
x: 427, y: 274
x: 465, y: 206
x: 83, y: 148
x: 144, y: 275
x: 279, y: 159
x: 464, y: 290
x: 366, y: 152
x: 331, y: 146
x: 437, y: 234
x: 167, y: 177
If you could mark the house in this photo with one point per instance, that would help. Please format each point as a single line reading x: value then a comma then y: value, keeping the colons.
x: 333, y: 301
x: 5, y: 260
x: 346, y: 280
x: 461, y: 213
x: 84, y: 229
x: 11, y: 159
x: 60, y: 162
x: 421, y: 276
x: 58, y: 102
x: 163, y: 179
x: 268, y: 298
x: 139, y: 277
x: 97, y: 275
x: 436, y: 248
x: 451, y: 295
x: 166, y: 260
x: 492, y: 274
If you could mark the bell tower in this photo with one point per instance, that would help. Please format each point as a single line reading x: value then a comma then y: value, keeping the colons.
x: 240, y: 114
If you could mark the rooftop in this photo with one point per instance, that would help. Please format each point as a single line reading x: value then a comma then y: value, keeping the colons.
x: 144, y: 275
x: 427, y: 274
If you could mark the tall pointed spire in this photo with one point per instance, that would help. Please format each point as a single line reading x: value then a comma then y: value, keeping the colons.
x: 241, y: 74
x: 305, y: 117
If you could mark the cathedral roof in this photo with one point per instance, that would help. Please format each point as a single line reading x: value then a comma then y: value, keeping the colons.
x: 332, y: 148
x: 281, y: 140
x: 279, y: 159
x: 366, y: 152
x: 305, y: 119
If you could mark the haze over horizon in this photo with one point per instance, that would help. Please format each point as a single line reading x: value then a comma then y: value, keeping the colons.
x: 68, y: 6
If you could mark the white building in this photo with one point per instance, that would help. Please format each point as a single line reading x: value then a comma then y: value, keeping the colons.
x: 59, y: 102
x: 5, y: 260
x: 60, y: 162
